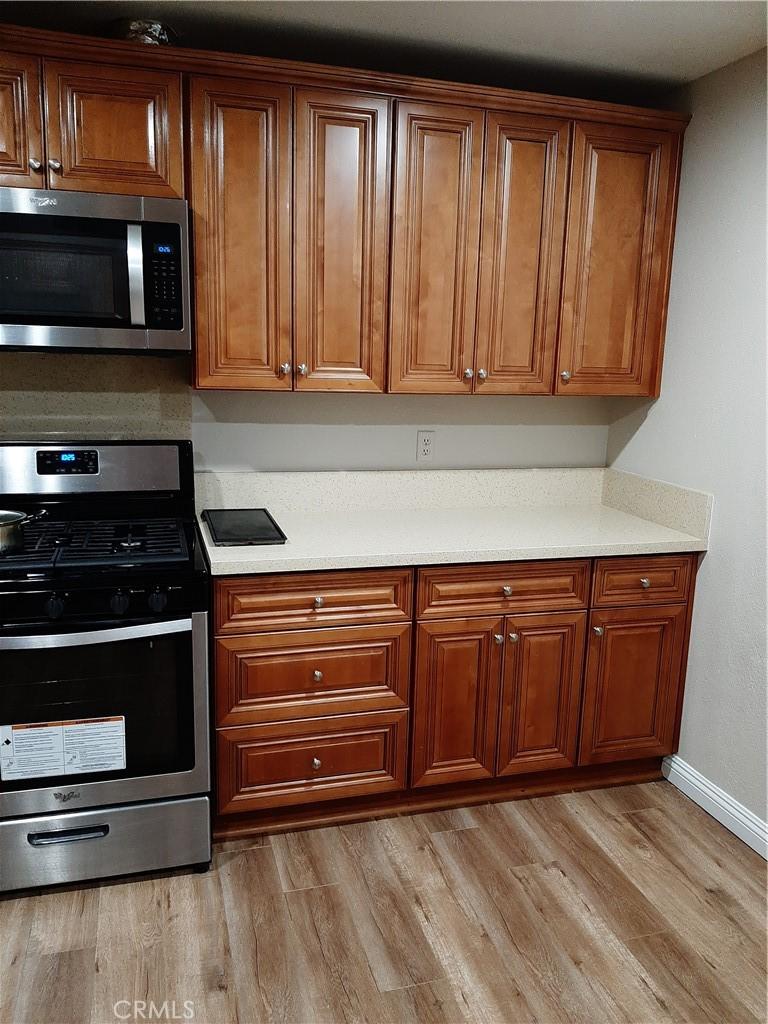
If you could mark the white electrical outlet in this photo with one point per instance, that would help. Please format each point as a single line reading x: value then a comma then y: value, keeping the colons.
x: 425, y: 445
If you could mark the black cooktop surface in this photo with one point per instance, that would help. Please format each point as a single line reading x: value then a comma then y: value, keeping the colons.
x: 242, y: 526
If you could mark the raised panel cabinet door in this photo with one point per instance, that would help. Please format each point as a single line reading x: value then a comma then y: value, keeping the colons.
x: 521, y: 251
x: 435, y: 240
x: 456, y: 700
x: 633, y: 677
x: 240, y: 136
x: 113, y: 129
x: 617, y: 260
x: 341, y: 241
x: 21, y: 141
x: 541, y: 692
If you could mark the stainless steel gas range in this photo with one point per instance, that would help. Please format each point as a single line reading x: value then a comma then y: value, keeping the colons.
x: 104, y: 725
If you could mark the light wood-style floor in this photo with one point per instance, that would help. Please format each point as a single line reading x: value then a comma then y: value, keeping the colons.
x: 626, y: 904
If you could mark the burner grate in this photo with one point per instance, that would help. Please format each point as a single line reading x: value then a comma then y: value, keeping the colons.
x: 93, y: 543
x: 116, y: 541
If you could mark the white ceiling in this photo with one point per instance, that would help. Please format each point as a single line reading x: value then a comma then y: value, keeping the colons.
x: 667, y: 40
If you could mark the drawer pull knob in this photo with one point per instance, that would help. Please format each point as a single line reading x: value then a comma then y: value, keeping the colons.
x: 514, y: 637
x: 507, y: 591
x: 565, y: 376
x: 645, y: 582
x: 498, y: 638
x: 598, y: 630
x: 317, y: 675
x: 469, y: 373
x: 319, y: 602
x: 285, y: 369
x: 316, y: 763
x: 35, y: 165
x: 55, y: 165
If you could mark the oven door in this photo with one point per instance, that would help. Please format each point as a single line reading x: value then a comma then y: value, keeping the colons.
x: 103, y: 716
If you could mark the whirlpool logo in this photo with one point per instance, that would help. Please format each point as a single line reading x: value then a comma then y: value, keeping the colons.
x: 71, y: 794
x: 43, y: 201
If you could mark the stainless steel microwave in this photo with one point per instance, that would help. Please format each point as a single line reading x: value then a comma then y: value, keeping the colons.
x: 80, y: 270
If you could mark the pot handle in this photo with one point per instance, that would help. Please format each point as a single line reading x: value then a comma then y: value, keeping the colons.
x: 33, y: 517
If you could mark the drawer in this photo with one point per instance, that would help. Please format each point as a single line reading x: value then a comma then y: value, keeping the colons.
x: 303, y: 762
x: 311, y: 672
x: 654, y: 579
x: 503, y: 587
x: 266, y: 603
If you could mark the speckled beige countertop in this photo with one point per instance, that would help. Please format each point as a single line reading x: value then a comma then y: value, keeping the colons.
x: 357, y: 520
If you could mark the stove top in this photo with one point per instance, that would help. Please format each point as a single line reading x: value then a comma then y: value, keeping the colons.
x: 99, y: 544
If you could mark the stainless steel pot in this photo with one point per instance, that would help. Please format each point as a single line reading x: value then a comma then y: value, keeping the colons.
x: 11, y: 533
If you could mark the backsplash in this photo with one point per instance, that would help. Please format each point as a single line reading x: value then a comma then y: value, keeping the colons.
x: 85, y: 395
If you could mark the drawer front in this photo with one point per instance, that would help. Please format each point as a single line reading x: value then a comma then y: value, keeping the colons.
x: 506, y: 587
x: 311, y: 672
x: 265, y: 603
x: 656, y: 579
x: 304, y: 762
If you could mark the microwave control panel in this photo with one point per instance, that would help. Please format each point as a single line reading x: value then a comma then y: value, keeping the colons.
x: 163, y: 286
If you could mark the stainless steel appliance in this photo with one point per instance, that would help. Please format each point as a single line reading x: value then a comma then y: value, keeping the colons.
x: 85, y: 271
x: 104, y: 724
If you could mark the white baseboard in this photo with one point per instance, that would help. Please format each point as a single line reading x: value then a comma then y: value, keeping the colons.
x: 715, y: 801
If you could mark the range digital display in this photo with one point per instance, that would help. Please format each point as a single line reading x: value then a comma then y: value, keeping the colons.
x: 85, y: 460
x: 163, y: 248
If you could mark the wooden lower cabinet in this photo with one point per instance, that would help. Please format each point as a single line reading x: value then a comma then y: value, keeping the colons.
x: 285, y: 763
x: 541, y: 692
x: 456, y: 700
x: 314, y: 699
x: 631, y: 685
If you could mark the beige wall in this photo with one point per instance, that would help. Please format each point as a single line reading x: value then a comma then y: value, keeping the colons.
x: 707, y: 430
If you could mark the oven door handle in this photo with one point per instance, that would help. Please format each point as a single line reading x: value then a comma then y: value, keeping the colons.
x: 135, y: 254
x: 95, y: 636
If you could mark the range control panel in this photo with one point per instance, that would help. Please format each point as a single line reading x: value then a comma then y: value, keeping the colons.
x: 163, y: 286
x: 75, y: 461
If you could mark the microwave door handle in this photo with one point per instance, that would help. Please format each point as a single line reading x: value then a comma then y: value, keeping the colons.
x: 136, y: 275
x: 95, y: 636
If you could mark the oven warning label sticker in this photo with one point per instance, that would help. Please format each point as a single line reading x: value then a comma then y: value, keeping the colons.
x: 82, y: 745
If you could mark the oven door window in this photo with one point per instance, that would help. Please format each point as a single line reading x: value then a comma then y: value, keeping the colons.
x: 63, y: 271
x: 148, y: 681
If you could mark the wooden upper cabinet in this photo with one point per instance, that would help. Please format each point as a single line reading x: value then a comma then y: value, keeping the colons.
x: 341, y: 240
x: 435, y: 240
x: 633, y: 677
x: 112, y: 129
x: 21, y: 140
x: 617, y: 260
x: 521, y: 250
x: 240, y: 137
x: 456, y: 700
x: 541, y: 692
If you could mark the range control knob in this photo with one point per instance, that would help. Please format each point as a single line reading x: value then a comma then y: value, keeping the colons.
x: 54, y: 607
x: 157, y: 601
x: 119, y: 603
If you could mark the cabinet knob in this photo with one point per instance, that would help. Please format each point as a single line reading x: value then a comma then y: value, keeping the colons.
x: 565, y: 376
x: 55, y: 165
x: 482, y: 374
x: 469, y: 373
x: 316, y: 763
x: 498, y: 638
x: 317, y: 675
x: 598, y: 630
x: 35, y: 165
x: 645, y: 582
x: 285, y: 369
x: 303, y: 369
x: 319, y: 602
x: 507, y: 591
x: 514, y: 637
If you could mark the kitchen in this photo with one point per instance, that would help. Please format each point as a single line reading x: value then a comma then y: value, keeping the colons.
x: 474, y: 679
